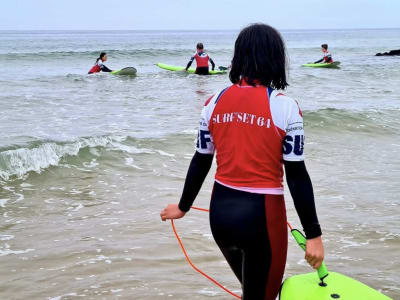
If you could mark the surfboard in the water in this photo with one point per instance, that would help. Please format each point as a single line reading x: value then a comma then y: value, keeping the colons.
x: 338, y: 286
x: 125, y: 71
x: 334, y: 64
x: 190, y: 70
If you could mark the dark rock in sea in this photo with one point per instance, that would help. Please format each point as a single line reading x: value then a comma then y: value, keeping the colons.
x: 390, y: 53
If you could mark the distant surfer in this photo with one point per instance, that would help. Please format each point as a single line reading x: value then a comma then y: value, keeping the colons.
x: 99, y: 64
x: 255, y: 130
x: 202, y: 60
x: 327, y: 56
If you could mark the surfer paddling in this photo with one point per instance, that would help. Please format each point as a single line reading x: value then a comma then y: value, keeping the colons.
x: 99, y: 64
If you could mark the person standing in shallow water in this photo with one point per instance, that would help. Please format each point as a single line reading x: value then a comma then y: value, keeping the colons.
x: 99, y: 65
x: 202, y: 60
x: 255, y: 131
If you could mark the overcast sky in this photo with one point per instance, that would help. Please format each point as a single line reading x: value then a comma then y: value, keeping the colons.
x: 200, y: 14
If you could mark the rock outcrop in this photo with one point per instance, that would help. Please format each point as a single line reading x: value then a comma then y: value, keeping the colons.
x: 390, y: 53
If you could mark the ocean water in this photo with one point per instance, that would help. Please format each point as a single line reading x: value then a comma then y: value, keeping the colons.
x: 88, y: 161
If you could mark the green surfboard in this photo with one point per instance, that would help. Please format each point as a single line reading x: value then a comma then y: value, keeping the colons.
x: 125, y: 71
x: 338, y: 286
x: 325, y: 285
x: 190, y: 70
x: 335, y: 64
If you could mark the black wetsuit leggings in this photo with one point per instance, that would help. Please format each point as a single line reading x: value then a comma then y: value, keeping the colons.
x: 202, y: 71
x: 250, y: 229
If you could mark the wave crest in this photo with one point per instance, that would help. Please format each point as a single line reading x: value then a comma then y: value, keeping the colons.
x: 18, y: 162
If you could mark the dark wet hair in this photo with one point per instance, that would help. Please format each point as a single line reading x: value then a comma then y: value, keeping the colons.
x: 200, y: 46
x: 260, y: 57
x: 102, y: 54
x: 325, y: 46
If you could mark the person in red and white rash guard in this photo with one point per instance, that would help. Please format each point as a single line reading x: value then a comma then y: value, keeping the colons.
x: 99, y: 66
x: 327, y: 56
x: 202, y: 60
x: 255, y: 132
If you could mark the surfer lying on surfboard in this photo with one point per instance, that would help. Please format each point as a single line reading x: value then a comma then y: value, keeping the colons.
x: 202, y: 60
x: 327, y: 56
x: 99, y: 64
x: 255, y: 131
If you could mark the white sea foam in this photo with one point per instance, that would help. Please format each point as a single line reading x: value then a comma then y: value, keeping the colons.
x: 18, y: 162
x: 23, y: 160
x: 6, y: 237
x: 7, y: 251
x: 3, y: 202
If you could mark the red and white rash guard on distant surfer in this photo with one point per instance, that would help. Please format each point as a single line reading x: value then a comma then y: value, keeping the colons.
x: 201, y: 58
x: 248, y: 137
x: 98, y: 67
x: 326, y: 59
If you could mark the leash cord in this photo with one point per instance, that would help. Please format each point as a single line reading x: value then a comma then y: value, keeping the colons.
x: 193, y: 266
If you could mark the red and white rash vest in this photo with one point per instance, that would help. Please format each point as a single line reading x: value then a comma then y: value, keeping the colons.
x: 201, y: 58
x: 97, y: 67
x: 328, y: 57
x: 252, y: 130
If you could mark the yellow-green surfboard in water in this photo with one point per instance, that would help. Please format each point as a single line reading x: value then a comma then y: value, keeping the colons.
x: 128, y: 71
x: 190, y: 70
x: 334, y: 65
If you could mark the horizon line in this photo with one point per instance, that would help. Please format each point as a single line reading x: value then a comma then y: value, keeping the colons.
x: 283, y: 29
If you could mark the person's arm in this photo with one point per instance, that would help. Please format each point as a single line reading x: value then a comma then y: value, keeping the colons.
x: 319, y: 61
x: 212, y: 64
x: 198, y: 169
x: 299, y: 182
x: 197, y: 173
x: 105, y: 69
x: 301, y: 189
x: 189, y: 63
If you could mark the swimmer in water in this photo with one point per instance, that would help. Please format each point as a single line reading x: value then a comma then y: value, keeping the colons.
x: 99, y: 64
x: 255, y: 131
